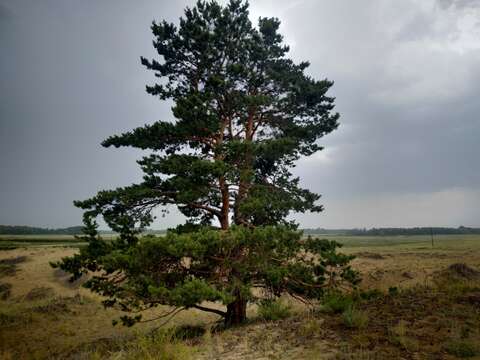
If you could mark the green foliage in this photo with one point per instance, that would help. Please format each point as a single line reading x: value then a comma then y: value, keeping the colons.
x: 7, y: 270
x: 462, y: 348
x: 369, y: 294
x: 393, y: 291
x: 8, y: 266
x: 244, y: 113
x: 5, y: 290
x: 398, y: 335
x: 335, y: 302
x: 29, y: 230
x: 354, y: 318
x: 272, y: 310
x: 183, y: 270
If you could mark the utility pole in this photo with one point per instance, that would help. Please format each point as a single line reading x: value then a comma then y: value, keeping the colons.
x: 431, y: 235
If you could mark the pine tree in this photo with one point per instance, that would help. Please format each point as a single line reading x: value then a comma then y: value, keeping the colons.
x: 244, y: 113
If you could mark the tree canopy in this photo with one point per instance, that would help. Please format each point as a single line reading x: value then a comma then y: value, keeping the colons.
x: 244, y: 113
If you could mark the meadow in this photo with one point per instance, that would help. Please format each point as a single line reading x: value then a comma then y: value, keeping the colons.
x: 412, y: 304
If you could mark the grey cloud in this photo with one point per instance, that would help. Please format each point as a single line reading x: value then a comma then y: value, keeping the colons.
x: 406, y: 84
x: 458, y: 3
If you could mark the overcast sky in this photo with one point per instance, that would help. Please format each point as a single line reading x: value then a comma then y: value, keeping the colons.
x: 407, y: 81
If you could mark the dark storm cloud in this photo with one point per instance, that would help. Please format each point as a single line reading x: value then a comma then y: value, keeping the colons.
x: 406, y: 80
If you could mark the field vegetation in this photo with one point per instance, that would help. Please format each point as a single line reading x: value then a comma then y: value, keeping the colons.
x: 411, y: 304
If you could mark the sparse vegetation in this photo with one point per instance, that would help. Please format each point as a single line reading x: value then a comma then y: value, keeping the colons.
x: 8, y: 266
x: 399, y: 336
x: 462, y: 348
x: 355, y: 319
x: 39, y: 293
x: 162, y: 344
x: 336, y: 302
x: 273, y: 309
x: 429, y: 314
x: 5, y: 290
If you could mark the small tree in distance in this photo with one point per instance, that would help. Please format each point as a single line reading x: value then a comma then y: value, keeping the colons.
x: 244, y: 113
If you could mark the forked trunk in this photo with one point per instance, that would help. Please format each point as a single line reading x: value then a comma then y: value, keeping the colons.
x: 236, y: 312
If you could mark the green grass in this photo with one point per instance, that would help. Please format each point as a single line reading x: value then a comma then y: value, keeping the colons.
x: 462, y: 348
x: 273, y: 310
x: 379, y: 243
x: 336, y: 302
x: 354, y: 319
x: 417, y: 243
x: 8, y: 242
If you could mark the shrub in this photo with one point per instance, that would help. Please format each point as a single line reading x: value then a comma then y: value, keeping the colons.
x: 399, y: 337
x: 162, y: 344
x: 393, y: 291
x: 7, y: 269
x: 335, y: 302
x: 39, y: 293
x: 310, y: 328
x: 186, y: 332
x: 272, y: 310
x: 5, y: 290
x: 354, y: 318
x: 461, y: 348
x: 370, y: 294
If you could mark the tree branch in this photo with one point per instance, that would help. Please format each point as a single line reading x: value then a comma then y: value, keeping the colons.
x: 215, y: 311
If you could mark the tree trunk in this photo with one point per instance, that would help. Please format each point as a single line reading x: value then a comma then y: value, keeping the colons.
x: 224, y: 223
x: 236, y: 312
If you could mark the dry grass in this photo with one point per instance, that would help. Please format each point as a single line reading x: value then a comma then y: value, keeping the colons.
x: 435, y: 312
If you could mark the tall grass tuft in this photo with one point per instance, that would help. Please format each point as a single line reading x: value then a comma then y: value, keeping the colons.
x: 161, y: 345
x: 355, y: 319
x: 272, y: 310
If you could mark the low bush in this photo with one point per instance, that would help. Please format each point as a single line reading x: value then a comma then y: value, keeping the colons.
x: 399, y: 337
x: 310, y: 327
x: 272, y: 310
x: 462, y: 348
x: 39, y: 293
x: 5, y: 291
x: 369, y: 294
x: 393, y: 291
x: 7, y: 269
x: 355, y: 319
x: 336, y: 302
x: 163, y: 344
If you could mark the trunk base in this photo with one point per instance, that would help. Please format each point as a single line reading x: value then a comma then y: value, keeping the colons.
x: 236, y: 312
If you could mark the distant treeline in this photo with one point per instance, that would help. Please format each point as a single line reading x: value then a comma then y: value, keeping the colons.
x: 75, y: 230
x: 72, y: 230
x: 29, y: 230
x: 395, y: 231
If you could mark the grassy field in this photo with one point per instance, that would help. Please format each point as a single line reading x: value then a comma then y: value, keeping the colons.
x: 419, y: 310
x: 416, y: 242
x: 8, y: 242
